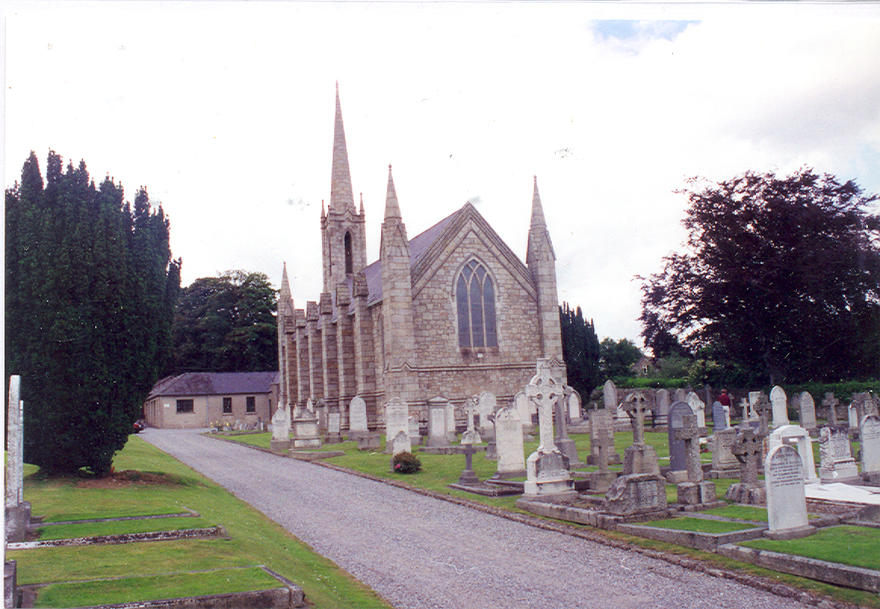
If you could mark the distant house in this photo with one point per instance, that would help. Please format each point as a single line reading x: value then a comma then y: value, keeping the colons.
x: 644, y: 367
x: 197, y: 399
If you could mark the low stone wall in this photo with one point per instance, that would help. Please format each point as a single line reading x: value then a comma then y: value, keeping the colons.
x: 833, y: 573
x: 692, y: 539
x: 123, y: 538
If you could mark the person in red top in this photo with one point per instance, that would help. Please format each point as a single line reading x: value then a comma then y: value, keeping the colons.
x: 724, y: 400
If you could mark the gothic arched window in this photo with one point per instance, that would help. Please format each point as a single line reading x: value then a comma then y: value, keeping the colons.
x: 348, y: 263
x: 475, y: 300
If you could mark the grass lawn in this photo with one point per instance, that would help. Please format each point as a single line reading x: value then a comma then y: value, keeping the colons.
x: 155, y: 587
x: 742, y: 512
x: 119, y: 527
x: 848, y: 545
x: 700, y: 525
x: 254, y: 539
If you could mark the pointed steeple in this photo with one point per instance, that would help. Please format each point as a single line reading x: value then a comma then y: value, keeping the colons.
x: 285, y: 284
x: 392, y: 209
x: 341, y: 196
x: 285, y: 297
x: 361, y: 212
x: 537, y: 209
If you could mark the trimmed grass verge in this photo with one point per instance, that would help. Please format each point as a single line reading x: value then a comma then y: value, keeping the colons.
x: 156, y: 587
x: 253, y: 538
x: 118, y: 527
x: 848, y: 545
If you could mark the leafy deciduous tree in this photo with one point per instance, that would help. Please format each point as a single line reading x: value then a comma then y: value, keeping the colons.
x: 616, y: 357
x: 780, y: 276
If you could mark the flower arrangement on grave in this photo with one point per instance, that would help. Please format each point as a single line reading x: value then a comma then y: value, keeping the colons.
x: 405, y: 463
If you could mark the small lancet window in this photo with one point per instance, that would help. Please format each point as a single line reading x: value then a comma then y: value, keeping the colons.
x: 348, y: 263
x: 475, y: 303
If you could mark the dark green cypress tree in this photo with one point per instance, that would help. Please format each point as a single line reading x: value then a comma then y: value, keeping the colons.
x: 87, y: 283
x: 580, y: 349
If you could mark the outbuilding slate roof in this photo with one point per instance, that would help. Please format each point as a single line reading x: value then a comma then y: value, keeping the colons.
x: 215, y: 383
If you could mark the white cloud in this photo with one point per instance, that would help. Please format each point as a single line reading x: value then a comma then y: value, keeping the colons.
x: 224, y: 110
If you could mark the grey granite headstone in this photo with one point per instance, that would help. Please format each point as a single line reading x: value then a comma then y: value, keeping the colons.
x: 640, y: 458
x: 679, y: 395
x: 574, y: 406
x: 836, y: 462
x: 662, y: 404
x: 412, y: 427
x: 635, y: 494
x: 602, y: 432
x: 334, y: 425
x: 724, y: 462
x: 719, y: 419
x: 748, y: 448
x: 521, y: 404
x: 609, y: 395
x: 779, y: 402
x: 677, y: 457
x: 786, y: 500
x: 450, y: 423
x: 486, y: 406
x: 694, y: 490
x: 830, y: 403
x: 807, y: 411
x: 509, y: 443
x: 280, y: 428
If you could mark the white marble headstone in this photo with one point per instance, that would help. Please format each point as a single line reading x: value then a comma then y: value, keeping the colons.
x: 798, y: 438
x: 784, y: 483
x: 396, y: 419
x: 609, y: 395
x: 509, y: 442
x: 357, y: 415
x: 807, y: 411
x: 869, y: 434
x: 779, y: 403
x: 574, y: 406
x: 699, y: 408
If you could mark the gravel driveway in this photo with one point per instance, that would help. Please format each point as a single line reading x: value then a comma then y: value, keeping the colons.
x: 419, y: 552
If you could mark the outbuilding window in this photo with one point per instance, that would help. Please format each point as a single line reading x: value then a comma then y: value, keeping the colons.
x: 184, y: 405
x: 475, y: 302
x: 227, y: 405
x: 250, y: 404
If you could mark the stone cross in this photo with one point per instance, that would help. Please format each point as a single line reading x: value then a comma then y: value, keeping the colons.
x: 831, y: 403
x: 763, y: 407
x: 14, y: 463
x: 748, y: 448
x: 470, y: 409
x: 468, y: 476
x: 690, y: 434
x: 544, y: 391
x: 635, y: 406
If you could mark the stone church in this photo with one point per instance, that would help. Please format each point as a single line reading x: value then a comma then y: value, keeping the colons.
x: 450, y: 312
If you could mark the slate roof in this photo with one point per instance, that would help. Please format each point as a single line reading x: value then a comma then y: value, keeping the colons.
x: 215, y: 383
x: 418, y: 245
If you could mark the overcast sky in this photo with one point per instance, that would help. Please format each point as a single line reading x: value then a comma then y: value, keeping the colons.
x: 225, y: 112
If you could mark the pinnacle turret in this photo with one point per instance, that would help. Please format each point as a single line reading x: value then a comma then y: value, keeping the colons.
x: 537, y: 209
x: 392, y: 208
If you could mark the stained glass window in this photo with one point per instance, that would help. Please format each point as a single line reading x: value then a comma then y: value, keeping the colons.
x: 475, y: 304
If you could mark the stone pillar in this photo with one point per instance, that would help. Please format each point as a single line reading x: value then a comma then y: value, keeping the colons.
x: 329, y: 361
x: 18, y: 511
x: 316, y: 376
x: 302, y: 360
x: 344, y: 349
x: 365, y: 372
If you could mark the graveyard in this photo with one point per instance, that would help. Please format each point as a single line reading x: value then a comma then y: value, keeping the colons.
x: 796, y: 504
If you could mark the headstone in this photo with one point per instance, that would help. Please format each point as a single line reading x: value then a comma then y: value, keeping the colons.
x: 661, y: 406
x: 853, y: 416
x: 602, y: 432
x: 807, y: 411
x: 396, y: 420
x: 695, y: 490
x: 830, y: 402
x: 470, y: 409
x: 18, y: 511
x: 636, y: 494
x: 640, y: 458
x: 754, y: 398
x: 699, y: 408
x: 305, y: 429
x: 437, y: 420
x: 574, y: 406
x: 357, y: 417
x: 679, y: 395
x: 719, y: 418
x: 401, y: 443
x: 521, y: 404
x: 412, y: 428
x: 486, y: 406
x: 468, y: 476
x: 779, y: 403
x: 369, y: 441
x: 451, y: 433
x: 509, y: 443
x: 609, y: 395
x: 280, y: 429
x: 798, y: 438
x: 564, y: 443
x: 744, y: 408
x: 334, y: 425
x: 547, y: 470
x: 747, y: 448
x: 835, y: 458
x: 322, y: 411
x: 786, y: 500
x: 869, y: 435
x: 310, y: 406
x: 677, y: 456
x: 724, y: 462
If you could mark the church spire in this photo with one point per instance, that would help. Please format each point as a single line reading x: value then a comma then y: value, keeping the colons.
x: 285, y: 284
x: 341, y: 197
x: 537, y: 209
x: 392, y: 209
